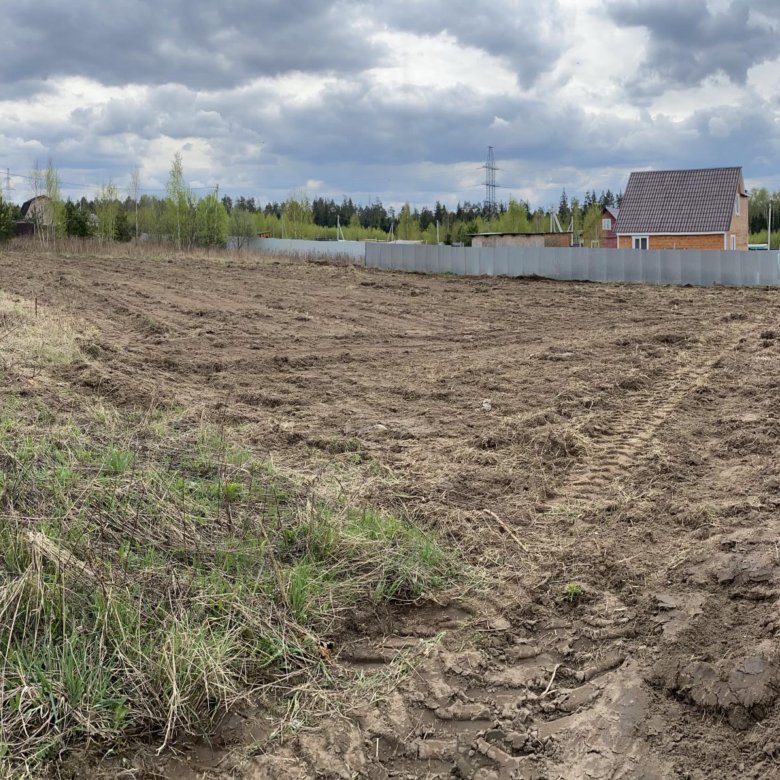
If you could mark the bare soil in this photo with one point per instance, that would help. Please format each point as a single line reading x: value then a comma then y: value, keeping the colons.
x: 607, y: 454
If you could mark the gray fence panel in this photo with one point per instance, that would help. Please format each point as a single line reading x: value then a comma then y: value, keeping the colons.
x: 536, y: 263
x: 439, y: 262
x: 501, y: 261
x: 614, y: 262
x: 596, y: 266
x: 768, y: 267
x: 355, y: 250
x: 579, y: 263
x: 632, y: 267
x: 485, y: 259
x: 671, y: 268
x: 694, y: 267
x: 718, y: 270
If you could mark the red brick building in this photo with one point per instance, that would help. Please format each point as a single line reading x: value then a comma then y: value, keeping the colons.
x: 705, y: 208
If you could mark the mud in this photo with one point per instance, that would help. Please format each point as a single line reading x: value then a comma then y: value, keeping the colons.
x: 607, y: 454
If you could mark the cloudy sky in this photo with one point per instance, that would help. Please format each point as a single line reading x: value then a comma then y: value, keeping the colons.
x: 396, y: 99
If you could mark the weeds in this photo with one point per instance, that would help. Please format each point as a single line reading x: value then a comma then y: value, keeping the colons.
x: 572, y: 592
x: 153, y: 575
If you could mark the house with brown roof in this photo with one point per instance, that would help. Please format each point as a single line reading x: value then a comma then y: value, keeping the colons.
x: 609, y: 215
x: 704, y: 208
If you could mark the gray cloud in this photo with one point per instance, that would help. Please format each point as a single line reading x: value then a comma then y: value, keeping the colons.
x: 689, y: 42
x: 530, y: 40
x: 204, y: 45
x: 199, y: 64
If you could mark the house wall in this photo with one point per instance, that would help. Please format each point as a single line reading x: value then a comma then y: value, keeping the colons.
x: 711, y: 241
x: 739, y: 225
x: 40, y: 212
x: 557, y: 239
x: 536, y: 239
x: 523, y: 239
x: 608, y: 237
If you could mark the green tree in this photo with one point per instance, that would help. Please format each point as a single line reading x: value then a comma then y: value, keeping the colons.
x: 513, y: 220
x: 297, y: 215
x: 242, y: 227
x: 591, y: 225
x: 408, y: 228
x: 107, y: 208
x: 211, y: 222
x: 8, y: 217
x: 564, y: 212
x: 122, y: 226
x: 135, y: 192
x: 576, y: 220
x: 179, y: 206
x: 78, y: 220
x: 48, y: 211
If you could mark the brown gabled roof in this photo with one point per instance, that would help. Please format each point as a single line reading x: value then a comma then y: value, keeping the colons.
x: 689, y: 201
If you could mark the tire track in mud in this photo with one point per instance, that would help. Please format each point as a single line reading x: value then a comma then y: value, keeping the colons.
x: 613, y: 454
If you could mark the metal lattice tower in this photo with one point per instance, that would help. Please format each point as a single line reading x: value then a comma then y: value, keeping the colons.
x: 490, y: 182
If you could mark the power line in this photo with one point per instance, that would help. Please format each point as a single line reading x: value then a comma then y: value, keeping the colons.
x: 83, y: 186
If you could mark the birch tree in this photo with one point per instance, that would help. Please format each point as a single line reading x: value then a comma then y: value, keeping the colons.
x: 107, y: 210
x: 135, y: 193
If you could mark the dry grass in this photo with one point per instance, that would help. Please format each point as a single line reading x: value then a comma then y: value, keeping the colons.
x: 33, y: 335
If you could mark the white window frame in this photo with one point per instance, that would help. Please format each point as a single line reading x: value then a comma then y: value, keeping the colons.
x: 733, y: 243
x: 636, y: 241
x: 737, y: 205
x: 606, y: 223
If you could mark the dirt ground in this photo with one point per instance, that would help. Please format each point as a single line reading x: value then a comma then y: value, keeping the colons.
x: 607, y: 454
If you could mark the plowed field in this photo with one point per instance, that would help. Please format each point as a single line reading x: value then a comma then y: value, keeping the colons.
x: 606, y: 454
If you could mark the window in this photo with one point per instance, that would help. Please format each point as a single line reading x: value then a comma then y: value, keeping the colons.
x: 733, y: 242
x: 606, y: 224
x: 737, y: 205
x: 639, y: 242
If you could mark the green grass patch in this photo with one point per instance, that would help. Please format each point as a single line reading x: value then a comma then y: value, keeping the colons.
x: 152, y: 574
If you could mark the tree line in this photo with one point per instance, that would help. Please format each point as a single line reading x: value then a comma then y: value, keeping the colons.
x: 187, y: 219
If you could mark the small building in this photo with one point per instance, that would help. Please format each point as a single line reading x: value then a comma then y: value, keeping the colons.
x: 704, y: 208
x: 37, y: 214
x: 559, y: 239
x: 609, y: 215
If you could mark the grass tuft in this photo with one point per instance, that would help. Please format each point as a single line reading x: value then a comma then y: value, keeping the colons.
x: 152, y: 575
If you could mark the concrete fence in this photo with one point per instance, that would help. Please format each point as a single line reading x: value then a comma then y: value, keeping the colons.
x: 701, y: 268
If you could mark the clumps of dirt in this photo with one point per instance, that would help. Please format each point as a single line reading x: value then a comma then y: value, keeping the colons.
x: 674, y: 339
x: 743, y: 692
x: 633, y: 383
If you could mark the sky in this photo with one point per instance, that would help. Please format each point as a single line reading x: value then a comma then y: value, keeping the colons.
x: 397, y: 99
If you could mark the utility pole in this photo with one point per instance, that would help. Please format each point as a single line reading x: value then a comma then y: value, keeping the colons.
x: 769, y: 228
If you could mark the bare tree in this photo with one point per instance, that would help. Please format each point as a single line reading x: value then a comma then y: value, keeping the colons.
x: 135, y: 191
